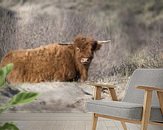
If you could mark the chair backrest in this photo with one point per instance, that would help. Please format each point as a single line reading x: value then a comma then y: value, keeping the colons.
x: 146, y: 77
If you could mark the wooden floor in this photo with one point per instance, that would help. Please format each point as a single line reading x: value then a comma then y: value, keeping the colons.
x: 57, y: 121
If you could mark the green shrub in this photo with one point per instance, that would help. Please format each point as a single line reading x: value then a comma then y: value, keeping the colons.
x: 19, y: 99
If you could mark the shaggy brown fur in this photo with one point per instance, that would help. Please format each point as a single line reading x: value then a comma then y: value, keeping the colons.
x: 52, y: 62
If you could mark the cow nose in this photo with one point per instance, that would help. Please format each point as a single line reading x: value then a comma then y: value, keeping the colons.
x: 85, y: 60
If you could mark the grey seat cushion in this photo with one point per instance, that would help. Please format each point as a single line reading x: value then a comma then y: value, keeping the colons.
x: 122, y: 109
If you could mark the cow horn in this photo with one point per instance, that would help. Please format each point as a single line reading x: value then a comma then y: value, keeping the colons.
x: 104, y: 42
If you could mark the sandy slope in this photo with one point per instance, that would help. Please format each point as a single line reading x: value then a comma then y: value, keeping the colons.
x: 56, y: 96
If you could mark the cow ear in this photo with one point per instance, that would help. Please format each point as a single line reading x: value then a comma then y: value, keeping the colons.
x: 98, y: 47
x: 77, y: 49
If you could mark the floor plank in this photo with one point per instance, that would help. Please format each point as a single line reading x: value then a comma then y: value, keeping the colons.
x: 58, y: 121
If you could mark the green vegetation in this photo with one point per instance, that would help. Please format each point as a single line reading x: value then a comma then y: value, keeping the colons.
x: 4, y: 72
x: 19, y: 99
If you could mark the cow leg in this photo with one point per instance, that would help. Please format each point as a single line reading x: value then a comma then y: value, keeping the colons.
x: 83, y: 75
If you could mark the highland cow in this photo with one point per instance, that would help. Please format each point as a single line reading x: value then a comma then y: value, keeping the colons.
x: 53, y: 62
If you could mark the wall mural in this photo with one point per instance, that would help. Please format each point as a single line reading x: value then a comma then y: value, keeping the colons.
x: 58, y: 47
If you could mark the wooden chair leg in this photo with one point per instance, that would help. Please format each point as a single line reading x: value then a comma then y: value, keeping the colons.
x: 124, y: 125
x: 146, y: 109
x: 160, y: 98
x: 94, y: 122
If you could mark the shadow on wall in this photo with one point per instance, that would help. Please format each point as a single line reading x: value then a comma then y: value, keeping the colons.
x: 7, y: 30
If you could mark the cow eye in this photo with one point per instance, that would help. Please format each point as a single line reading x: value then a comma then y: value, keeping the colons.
x: 94, y: 45
x: 78, y: 49
x: 83, y: 39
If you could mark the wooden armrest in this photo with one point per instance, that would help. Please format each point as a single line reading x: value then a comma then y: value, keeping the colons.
x: 148, y: 88
x: 148, y: 101
x: 102, y: 85
x: 148, y: 98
